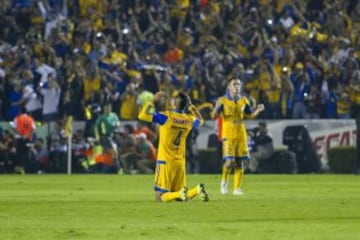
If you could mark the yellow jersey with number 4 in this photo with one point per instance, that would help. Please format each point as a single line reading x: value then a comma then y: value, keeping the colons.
x: 173, y: 131
x: 173, y: 134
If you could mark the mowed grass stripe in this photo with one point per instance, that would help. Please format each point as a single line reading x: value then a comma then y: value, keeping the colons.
x: 122, y: 207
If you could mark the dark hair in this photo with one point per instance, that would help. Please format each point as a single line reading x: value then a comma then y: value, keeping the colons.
x: 231, y: 78
x: 182, y: 101
x: 107, y: 104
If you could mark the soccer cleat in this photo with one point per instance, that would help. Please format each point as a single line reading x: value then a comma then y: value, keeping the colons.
x: 223, y: 187
x: 202, y: 192
x: 183, y: 194
x: 238, y: 192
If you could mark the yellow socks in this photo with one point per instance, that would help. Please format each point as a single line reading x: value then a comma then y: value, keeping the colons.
x: 238, y: 178
x: 169, y: 196
x: 225, y: 174
x: 193, y: 192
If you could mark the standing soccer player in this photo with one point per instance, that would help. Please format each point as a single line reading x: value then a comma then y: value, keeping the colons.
x: 175, y: 125
x: 234, y: 108
x: 105, y: 126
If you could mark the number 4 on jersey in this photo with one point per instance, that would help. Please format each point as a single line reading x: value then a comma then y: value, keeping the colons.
x: 177, y: 139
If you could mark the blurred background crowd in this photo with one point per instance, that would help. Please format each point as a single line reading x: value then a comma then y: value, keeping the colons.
x: 59, y: 56
x: 69, y: 57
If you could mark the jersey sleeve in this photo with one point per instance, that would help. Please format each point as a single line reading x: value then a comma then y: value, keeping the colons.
x: 247, y: 109
x: 159, y: 117
x: 116, y: 120
x: 196, y: 123
x: 145, y: 114
x: 156, y: 117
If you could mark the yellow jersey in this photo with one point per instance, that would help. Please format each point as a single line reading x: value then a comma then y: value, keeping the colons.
x: 173, y: 131
x: 354, y: 95
x: 344, y: 103
x: 91, y: 86
x: 128, y: 108
x: 233, y: 112
x: 272, y: 93
x: 253, y: 88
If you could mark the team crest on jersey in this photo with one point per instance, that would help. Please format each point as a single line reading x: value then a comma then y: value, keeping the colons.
x: 230, y: 108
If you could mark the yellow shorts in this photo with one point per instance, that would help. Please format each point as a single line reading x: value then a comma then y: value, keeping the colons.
x: 235, y: 150
x: 169, y: 177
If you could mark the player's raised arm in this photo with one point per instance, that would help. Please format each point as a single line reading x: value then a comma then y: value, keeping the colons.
x: 147, y: 112
x: 195, y: 112
x: 193, y: 109
x: 217, y: 109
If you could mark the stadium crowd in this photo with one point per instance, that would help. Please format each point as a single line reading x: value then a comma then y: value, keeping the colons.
x: 62, y: 57
x: 58, y: 56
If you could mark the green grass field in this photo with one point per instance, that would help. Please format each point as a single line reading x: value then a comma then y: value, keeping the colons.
x: 122, y: 207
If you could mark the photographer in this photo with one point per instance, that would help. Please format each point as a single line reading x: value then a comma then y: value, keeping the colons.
x: 263, y: 148
x: 145, y: 153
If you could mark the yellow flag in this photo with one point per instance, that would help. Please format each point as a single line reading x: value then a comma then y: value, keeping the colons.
x: 68, y: 126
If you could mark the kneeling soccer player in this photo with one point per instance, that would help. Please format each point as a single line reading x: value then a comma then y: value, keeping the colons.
x: 175, y: 125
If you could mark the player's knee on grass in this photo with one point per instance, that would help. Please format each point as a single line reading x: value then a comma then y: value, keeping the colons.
x: 158, y: 196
